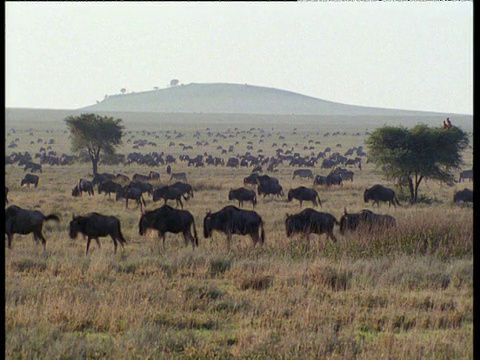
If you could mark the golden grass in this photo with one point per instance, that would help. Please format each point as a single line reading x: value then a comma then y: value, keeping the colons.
x: 404, y: 294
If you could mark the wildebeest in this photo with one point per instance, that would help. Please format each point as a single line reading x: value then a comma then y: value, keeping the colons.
x: 153, y: 175
x: 133, y: 193
x: 83, y: 186
x: 270, y: 189
x: 310, y: 221
x: 303, y: 173
x: 178, y: 176
x: 169, y: 192
x: 232, y: 220
x: 6, y: 194
x: 320, y: 180
x: 466, y: 174
x: 379, y: 193
x: 100, y: 178
x: 30, y: 179
x: 22, y: 221
x: 333, y: 179
x: 167, y: 219
x: 376, y: 221
x: 465, y: 195
x: 242, y: 194
x: 349, y: 221
x: 109, y: 187
x: 145, y: 187
x: 185, y: 188
x: 32, y: 166
x: 302, y: 194
x: 95, y: 225
x: 140, y: 177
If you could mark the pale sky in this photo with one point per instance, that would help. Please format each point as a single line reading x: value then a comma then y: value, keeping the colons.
x: 403, y: 55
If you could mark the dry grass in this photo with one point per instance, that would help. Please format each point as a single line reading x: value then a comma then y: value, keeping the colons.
x: 403, y: 294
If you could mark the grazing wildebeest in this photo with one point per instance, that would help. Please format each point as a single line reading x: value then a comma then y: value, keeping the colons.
x: 232, y: 220
x: 310, y: 221
x: 144, y: 186
x: 302, y: 194
x: 376, y: 221
x: 303, y: 173
x: 121, y: 178
x: 270, y: 189
x: 153, y: 175
x: 30, y: 179
x: 466, y: 174
x: 140, y: 177
x: 95, y: 225
x: 109, y: 187
x: 185, y: 188
x: 83, y: 186
x: 169, y: 170
x: 6, y: 193
x: 131, y: 193
x: 178, y: 176
x: 242, y: 195
x: 465, y: 195
x: 22, y: 221
x: 333, y: 179
x: 349, y: 221
x: 379, y: 193
x: 251, y: 179
x: 169, y: 192
x: 99, y: 178
x: 167, y: 219
x: 32, y: 166
x: 320, y: 180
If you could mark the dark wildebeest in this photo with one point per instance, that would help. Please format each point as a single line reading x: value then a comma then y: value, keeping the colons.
x: 6, y: 193
x: 178, y: 176
x: 169, y: 192
x: 349, y: 221
x: 232, y: 220
x: 185, y: 188
x: 83, y: 186
x: 22, y: 221
x: 320, y: 180
x: 251, y: 179
x: 99, y: 178
x: 333, y: 179
x: 167, y: 219
x: 32, y: 166
x: 270, y: 189
x: 466, y: 174
x: 465, y: 195
x: 95, y: 225
x: 376, y: 221
x: 303, y: 173
x: 30, y: 179
x: 133, y: 193
x: 379, y: 193
x: 142, y: 185
x: 109, y: 187
x: 242, y: 195
x: 310, y: 221
x: 153, y: 175
x: 304, y: 194
x: 140, y: 177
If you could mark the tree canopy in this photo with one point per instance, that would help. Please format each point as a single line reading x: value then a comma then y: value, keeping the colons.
x: 94, y: 134
x: 418, y: 153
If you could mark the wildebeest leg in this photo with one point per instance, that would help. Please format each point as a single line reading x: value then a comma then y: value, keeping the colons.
x: 88, y: 244
x: 308, y: 241
x: 330, y: 234
x: 114, y: 244
x: 98, y: 242
x: 179, y: 200
x: 126, y: 203
x: 229, y: 241
x: 10, y: 237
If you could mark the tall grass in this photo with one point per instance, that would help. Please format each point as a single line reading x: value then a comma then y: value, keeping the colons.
x: 403, y: 293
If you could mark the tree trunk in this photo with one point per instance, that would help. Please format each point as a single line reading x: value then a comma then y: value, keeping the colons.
x: 95, y: 166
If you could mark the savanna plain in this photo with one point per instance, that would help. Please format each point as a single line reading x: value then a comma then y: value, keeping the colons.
x: 404, y: 293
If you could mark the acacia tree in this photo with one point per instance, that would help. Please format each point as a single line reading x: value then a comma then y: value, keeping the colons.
x: 95, y: 133
x: 419, y: 153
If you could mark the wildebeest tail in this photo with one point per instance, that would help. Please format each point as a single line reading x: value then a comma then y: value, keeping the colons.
x: 52, y: 217
x: 262, y: 233
x: 120, y: 235
x: 195, y: 232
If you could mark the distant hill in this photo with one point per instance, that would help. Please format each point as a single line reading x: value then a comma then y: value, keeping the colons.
x: 222, y: 98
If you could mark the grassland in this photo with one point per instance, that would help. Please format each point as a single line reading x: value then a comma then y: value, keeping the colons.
x: 402, y: 294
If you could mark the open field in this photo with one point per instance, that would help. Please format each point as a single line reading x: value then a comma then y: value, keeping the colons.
x: 402, y: 294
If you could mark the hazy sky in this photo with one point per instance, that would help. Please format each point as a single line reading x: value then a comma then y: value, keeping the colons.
x: 405, y: 55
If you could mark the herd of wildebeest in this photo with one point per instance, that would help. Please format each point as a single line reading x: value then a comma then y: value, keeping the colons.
x: 230, y: 219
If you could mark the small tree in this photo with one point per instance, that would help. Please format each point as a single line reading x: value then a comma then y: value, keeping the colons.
x: 123, y: 90
x: 174, y: 82
x: 94, y: 134
x: 419, y: 153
